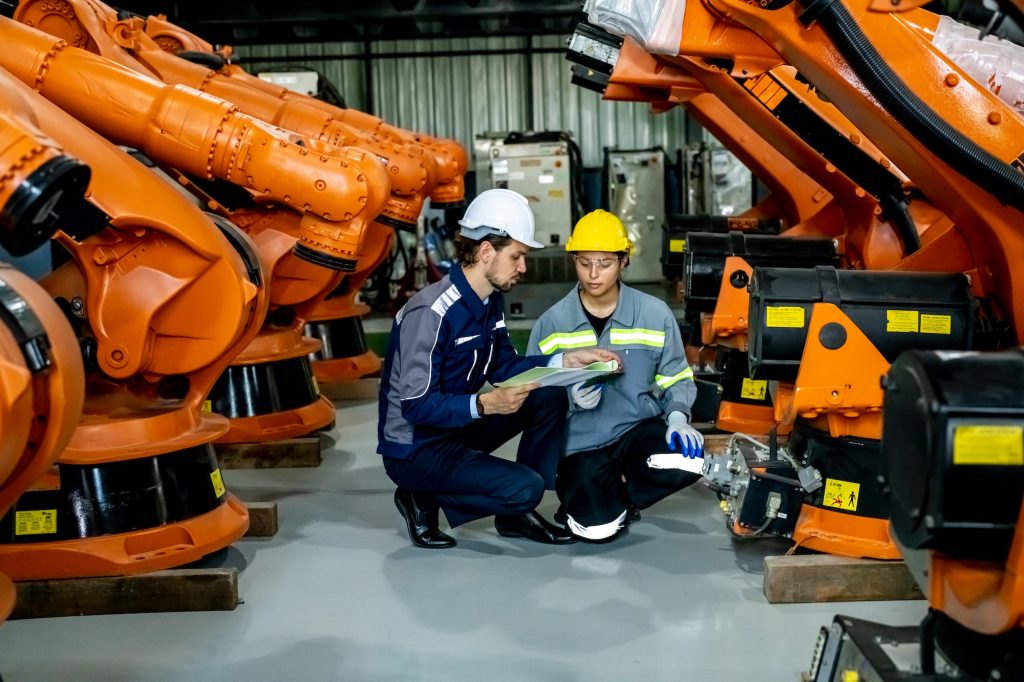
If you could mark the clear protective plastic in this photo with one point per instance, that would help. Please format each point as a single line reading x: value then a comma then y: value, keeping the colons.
x: 656, y: 24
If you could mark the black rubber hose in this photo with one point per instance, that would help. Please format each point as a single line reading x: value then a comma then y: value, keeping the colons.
x: 916, y: 117
x: 897, y: 212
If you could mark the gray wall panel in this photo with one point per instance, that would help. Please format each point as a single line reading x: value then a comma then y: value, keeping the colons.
x: 461, y: 96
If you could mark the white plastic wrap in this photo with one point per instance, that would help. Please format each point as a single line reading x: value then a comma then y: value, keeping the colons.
x: 994, y: 63
x: 655, y: 24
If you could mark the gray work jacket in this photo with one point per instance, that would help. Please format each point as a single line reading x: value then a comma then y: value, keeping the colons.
x: 657, y: 379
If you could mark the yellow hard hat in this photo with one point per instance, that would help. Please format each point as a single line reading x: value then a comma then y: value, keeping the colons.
x: 599, y: 231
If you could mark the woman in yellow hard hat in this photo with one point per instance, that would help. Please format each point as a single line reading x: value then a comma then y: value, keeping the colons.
x: 628, y: 435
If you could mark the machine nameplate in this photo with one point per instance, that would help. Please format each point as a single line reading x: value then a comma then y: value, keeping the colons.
x: 35, y: 522
x: 989, y: 445
x: 936, y: 324
x: 901, y: 321
x: 785, y: 316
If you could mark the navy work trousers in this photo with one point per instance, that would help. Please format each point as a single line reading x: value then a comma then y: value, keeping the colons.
x: 458, y: 473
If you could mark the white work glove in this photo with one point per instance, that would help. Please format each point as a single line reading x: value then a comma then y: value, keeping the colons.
x: 586, y: 397
x: 683, y: 438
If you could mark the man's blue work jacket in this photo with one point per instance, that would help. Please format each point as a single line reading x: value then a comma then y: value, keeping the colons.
x: 445, y: 344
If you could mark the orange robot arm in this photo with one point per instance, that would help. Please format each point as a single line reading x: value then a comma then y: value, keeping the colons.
x: 41, y: 375
x: 38, y: 183
x: 639, y: 75
x: 412, y: 173
x: 204, y: 136
x: 163, y: 291
x: 954, y: 139
x: 449, y: 156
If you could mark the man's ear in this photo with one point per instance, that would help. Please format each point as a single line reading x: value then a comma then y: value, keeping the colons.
x: 486, y: 253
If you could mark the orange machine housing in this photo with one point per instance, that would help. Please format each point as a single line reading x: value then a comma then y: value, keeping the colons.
x: 42, y: 379
x: 42, y: 388
x: 710, y: 39
x: 268, y: 392
x: 987, y: 230
x: 162, y: 297
x: 449, y: 155
x: 336, y: 191
x: 412, y: 173
x: 337, y: 321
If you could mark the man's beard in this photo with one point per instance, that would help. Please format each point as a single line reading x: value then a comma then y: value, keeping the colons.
x: 503, y: 287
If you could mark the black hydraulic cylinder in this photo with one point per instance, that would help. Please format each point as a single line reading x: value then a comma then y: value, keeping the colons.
x: 679, y: 226
x: 897, y: 311
x: 953, y: 446
x: 704, y: 262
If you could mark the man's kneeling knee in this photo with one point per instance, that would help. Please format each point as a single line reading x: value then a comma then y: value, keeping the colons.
x: 524, y: 493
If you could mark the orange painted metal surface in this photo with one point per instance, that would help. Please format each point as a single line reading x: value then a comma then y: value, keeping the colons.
x: 284, y: 207
x: 834, y: 532
x: 988, y: 227
x: 376, y: 247
x: 842, y: 385
x: 38, y: 410
x: 985, y: 596
x: 335, y: 191
x: 449, y: 156
x: 743, y: 418
x: 166, y: 301
x: 728, y: 324
x: 411, y: 171
x: 642, y: 77
x: 154, y: 549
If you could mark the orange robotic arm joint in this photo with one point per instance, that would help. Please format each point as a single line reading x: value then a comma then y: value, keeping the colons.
x: 38, y: 182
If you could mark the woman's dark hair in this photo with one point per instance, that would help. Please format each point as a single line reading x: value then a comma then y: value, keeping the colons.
x: 467, y: 250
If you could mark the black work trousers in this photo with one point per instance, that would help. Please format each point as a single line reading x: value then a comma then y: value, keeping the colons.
x: 458, y: 473
x: 590, y: 483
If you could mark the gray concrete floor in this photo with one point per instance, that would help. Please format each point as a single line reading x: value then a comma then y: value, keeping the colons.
x: 340, y: 594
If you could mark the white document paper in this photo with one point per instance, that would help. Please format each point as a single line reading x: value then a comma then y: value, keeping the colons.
x: 560, y: 376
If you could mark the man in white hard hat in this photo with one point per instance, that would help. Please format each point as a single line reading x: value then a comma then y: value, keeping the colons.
x: 435, y: 431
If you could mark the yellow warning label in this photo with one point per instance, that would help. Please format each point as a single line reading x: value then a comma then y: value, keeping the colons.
x: 841, y: 494
x: 754, y: 389
x: 936, y: 324
x: 35, y: 522
x: 207, y: 406
x: 785, y: 316
x: 676, y: 245
x: 989, y: 445
x: 556, y: 193
x: 851, y: 676
x: 218, y: 482
x: 901, y: 321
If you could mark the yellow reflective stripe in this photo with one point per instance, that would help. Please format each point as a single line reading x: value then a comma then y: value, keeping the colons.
x: 665, y: 382
x: 643, y: 337
x: 559, y: 340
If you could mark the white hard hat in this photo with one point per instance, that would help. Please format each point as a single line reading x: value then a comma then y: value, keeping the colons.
x: 501, y: 212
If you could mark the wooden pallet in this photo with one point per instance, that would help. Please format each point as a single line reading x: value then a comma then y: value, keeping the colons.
x: 816, y: 578
x: 359, y: 389
x: 179, y: 589
x: 262, y: 519
x: 302, y: 452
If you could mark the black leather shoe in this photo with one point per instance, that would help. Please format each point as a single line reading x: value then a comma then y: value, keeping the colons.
x: 422, y: 524
x: 533, y: 527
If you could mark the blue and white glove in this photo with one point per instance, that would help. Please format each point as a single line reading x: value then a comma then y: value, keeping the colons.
x: 683, y: 438
x: 586, y: 397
